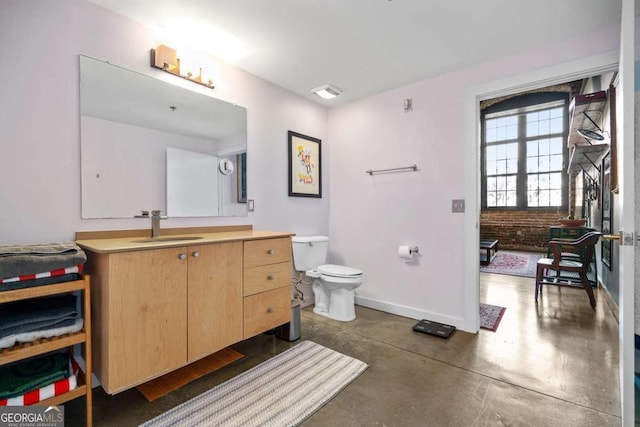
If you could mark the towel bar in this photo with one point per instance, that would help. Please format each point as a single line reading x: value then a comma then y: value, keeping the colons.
x: 405, y: 168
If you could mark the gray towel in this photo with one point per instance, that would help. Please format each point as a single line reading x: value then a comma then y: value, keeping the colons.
x: 20, y: 260
x: 39, y: 313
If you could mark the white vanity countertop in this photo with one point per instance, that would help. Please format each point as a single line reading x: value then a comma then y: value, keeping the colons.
x: 135, y: 240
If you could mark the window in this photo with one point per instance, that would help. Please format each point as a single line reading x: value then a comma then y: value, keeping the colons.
x: 523, y: 153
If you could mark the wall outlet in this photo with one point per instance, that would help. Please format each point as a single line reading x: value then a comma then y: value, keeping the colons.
x: 457, y: 205
x: 250, y: 205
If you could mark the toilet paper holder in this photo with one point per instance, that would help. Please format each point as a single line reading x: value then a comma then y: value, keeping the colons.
x: 414, y: 250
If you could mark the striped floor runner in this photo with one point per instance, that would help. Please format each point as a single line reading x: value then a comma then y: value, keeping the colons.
x: 282, y: 391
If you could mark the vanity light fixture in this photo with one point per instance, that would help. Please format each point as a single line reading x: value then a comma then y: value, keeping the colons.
x: 166, y: 59
x: 327, y: 91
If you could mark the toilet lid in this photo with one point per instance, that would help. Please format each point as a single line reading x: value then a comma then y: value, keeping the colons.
x: 339, y: 270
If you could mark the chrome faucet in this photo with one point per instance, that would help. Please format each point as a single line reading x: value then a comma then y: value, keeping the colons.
x: 156, y: 216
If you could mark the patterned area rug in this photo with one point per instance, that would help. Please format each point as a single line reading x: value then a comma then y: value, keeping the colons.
x: 513, y: 263
x: 283, y: 391
x: 490, y: 316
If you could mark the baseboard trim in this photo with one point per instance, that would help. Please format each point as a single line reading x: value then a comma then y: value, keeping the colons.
x: 609, y: 301
x: 410, y: 312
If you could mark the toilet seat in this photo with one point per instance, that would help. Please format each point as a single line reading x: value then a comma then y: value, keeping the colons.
x: 333, y: 270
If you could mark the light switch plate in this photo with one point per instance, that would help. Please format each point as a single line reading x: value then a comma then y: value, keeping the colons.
x: 457, y: 205
x: 250, y: 205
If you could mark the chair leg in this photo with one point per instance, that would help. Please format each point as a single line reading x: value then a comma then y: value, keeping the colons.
x: 587, y: 287
x: 539, y: 277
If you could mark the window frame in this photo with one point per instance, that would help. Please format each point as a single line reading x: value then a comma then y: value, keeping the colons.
x: 522, y: 102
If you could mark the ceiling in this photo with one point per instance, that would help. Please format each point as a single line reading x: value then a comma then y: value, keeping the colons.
x: 363, y: 46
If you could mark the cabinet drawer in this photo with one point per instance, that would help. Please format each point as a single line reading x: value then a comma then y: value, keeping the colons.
x: 266, y: 310
x: 268, y: 251
x: 266, y: 277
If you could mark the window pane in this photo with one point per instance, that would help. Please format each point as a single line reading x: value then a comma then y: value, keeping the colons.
x: 532, y: 148
x: 511, y: 198
x: 491, y: 184
x: 501, y: 151
x: 555, y: 125
x: 512, y: 132
x: 544, y: 127
x: 491, y: 168
x: 543, y: 198
x: 532, y: 129
x: 491, y: 153
x: 532, y: 182
x: 512, y: 151
x: 555, y: 198
x: 556, y: 112
x: 556, y: 162
x: 532, y: 117
x: 500, y: 199
x: 544, y: 147
x: 491, y: 199
x: 501, y: 182
x: 555, y: 146
x: 543, y: 164
x: 501, y: 166
x: 543, y: 115
x: 532, y: 164
x: 555, y: 180
x: 543, y: 180
x: 512, y: 166
x: 532, y: 198
x: 491, y: 135
x: 511, y: 183
x: 501, y: 133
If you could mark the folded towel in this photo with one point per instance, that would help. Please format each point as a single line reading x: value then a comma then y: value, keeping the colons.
x: 29, y: 374
x: 37, y: 313
x: 39, y: 281
x: 18, y: 260
x: 54, y: 331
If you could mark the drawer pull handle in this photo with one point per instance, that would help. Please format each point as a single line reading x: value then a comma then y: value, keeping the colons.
x: 270, y: 310
x: 182, y: 256
x: 195, y: 254
x: 270, y: 251
x: 270, y: 277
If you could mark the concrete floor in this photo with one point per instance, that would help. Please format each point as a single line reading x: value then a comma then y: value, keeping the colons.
x: 555, y: 364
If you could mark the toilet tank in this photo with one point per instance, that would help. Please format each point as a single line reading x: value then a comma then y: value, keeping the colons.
x: 309, y: 251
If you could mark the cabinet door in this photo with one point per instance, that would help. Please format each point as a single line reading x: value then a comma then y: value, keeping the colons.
x: 148, y: 315
x: 215, y: 298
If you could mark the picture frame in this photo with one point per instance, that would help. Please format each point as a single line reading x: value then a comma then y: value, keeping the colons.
x: 305, y: 165
x: 241, y: 166
x: 607, y: 211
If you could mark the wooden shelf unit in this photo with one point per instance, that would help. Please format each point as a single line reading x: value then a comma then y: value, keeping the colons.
x: 22, y: 351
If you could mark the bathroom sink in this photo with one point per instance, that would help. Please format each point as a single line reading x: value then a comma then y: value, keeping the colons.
x: 166, y: 239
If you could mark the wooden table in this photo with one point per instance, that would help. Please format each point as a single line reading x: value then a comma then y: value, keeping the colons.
x: 490, y: 247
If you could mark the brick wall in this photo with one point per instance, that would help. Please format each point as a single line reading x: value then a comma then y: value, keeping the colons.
x: 519, y: 230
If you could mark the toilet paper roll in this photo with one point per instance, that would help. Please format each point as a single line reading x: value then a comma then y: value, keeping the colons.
x: 405, y: 252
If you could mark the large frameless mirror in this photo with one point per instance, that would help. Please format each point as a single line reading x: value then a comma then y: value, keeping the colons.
x: 147, y: 144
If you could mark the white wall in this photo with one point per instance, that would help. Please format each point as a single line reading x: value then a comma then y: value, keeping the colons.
x: 371, y: 215
x: 40, y: 127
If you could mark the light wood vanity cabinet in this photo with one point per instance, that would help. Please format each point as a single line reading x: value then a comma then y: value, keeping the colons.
x: 158, y: 309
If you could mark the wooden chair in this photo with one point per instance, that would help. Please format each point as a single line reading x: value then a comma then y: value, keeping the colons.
x: 585, y: 246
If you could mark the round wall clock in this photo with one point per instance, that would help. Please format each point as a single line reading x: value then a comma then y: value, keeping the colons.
x: 226, y: 167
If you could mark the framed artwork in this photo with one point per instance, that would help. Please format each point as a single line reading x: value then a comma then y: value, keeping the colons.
x: 241, y: 164
x: 607, y: 210
x: 305, y: 166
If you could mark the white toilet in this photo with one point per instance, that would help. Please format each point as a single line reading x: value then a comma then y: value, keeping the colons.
x: 333, y: 285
